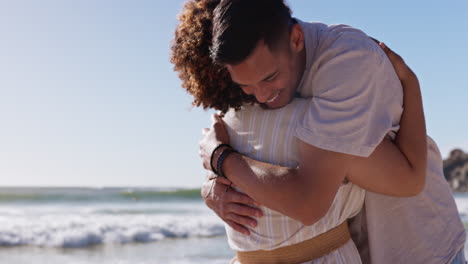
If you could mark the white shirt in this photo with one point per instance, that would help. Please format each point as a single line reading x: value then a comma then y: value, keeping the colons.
x: 268, y: 135
x: 356, y: 99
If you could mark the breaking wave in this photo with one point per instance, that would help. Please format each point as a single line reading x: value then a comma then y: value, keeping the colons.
x: 78, y: 231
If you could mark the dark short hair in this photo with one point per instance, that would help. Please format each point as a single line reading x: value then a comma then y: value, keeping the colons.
x: 239, y: 25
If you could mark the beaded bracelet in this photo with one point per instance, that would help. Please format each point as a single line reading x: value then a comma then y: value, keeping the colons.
x: 213, y: 154
x: 222, y: 158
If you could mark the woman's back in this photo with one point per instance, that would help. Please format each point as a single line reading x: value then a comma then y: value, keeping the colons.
x: 269, y: 136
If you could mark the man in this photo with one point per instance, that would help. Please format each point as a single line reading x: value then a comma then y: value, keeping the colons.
x: 352, y: 109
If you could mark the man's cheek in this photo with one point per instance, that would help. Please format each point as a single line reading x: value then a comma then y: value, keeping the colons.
x: 247, y: 90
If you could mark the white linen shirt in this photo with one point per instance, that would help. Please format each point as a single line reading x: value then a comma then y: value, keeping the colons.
x: 268, y: 136
x: 355, y: 100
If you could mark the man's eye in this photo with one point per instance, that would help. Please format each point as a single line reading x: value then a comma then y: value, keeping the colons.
x: 271, y: 78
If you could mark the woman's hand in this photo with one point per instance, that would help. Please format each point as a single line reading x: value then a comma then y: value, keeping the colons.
x: 236, y: 209
x: 212, y: 137
x: 403, y: 71
x: 410, y: 143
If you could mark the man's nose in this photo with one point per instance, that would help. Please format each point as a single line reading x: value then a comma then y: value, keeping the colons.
x: 262, y: 93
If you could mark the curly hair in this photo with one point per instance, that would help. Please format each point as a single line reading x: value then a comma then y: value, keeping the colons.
x: 210, y: 84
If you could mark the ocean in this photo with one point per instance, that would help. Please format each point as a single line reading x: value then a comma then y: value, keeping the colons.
x: 108, y: 225
x: 115, y: 226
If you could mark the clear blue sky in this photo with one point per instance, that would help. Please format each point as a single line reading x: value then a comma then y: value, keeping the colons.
x: 88, y: 96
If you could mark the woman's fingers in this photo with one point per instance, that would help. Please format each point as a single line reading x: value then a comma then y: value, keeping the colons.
x: 401, y: 68
x: 244, y: 210
x: 223, y: 180
x: 241, y: 220
x: 239, y: 228
x: 394, y: 58
x: 206, y: 166
x: 218, y: 123
x: 240, y: 198
x: 216, y: 119
x: 226, y: 181
x: 375, y: 40
x: 391, y: 54
x: 235, y: 208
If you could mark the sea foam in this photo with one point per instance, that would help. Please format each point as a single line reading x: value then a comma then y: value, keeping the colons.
x: 78, y: 229
x: 462, y: 204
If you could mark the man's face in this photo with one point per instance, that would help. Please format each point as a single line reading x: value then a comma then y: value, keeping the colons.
x: 271, y: 76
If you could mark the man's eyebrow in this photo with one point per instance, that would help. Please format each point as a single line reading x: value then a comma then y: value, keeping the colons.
x: 264, y: 79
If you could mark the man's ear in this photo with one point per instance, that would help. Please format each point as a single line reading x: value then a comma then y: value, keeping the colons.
x: 296, y: 38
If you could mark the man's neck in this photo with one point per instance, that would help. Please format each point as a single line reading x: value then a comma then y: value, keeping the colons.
x: 302, y: 61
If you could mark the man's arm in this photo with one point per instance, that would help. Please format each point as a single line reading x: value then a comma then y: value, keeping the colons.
x: 307, y: 198
x: 411, y: 142
x: 388, y: 170
x: 287, y: 190
x: 292, y: 192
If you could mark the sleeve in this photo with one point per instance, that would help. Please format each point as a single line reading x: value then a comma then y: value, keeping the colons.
x: 350, y: 110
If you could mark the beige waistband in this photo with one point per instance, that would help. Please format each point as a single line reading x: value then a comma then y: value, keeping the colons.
x: 313, y: 248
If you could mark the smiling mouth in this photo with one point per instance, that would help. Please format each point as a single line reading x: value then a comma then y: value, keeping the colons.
x: 274, y: 97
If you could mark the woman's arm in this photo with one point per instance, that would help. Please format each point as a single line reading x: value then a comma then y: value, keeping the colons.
x: 410, y: 152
